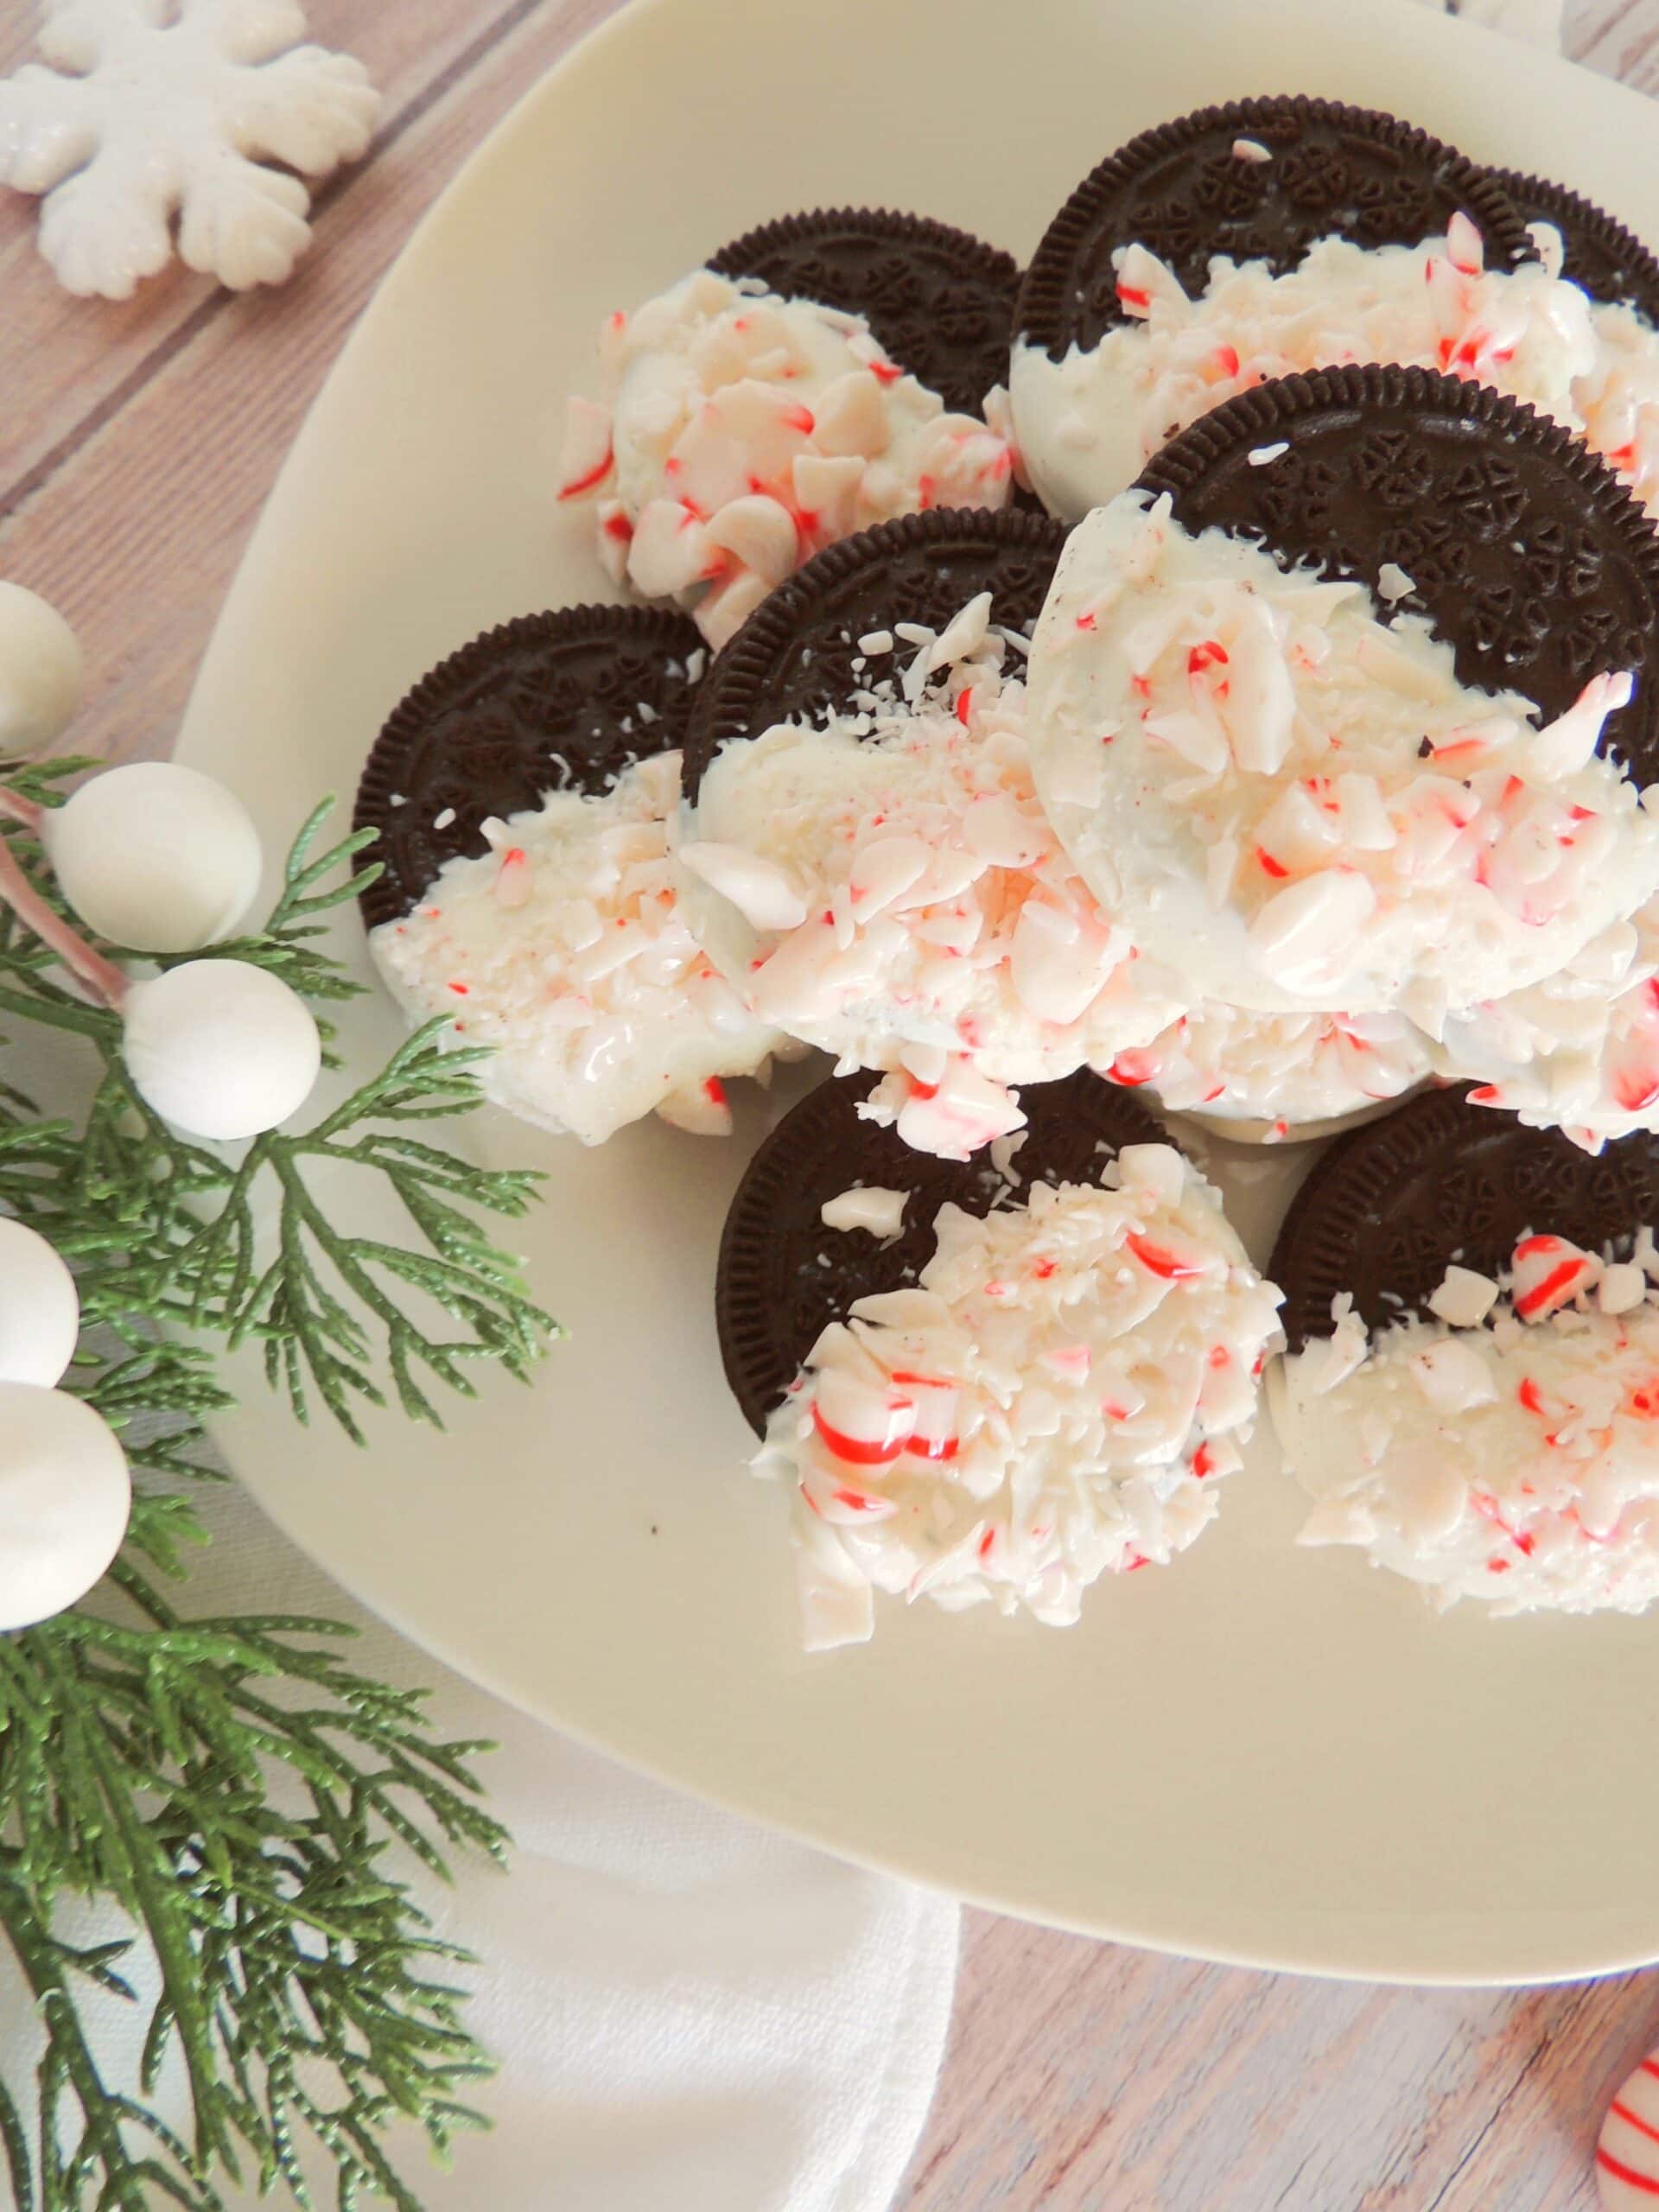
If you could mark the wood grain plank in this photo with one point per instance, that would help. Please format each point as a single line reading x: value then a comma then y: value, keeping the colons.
x: 102, y: 350
x: 171, y: 483
x: 1085, y: 2078
x: 1619, y: 38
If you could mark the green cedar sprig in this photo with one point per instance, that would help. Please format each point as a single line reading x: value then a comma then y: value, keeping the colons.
x: 229, y: 1792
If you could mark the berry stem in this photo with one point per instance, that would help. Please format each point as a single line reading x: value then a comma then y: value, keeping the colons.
x: 15, y: 808
x: 102, y: 977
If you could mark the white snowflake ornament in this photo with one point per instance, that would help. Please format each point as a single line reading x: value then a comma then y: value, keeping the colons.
x: 153, y: 109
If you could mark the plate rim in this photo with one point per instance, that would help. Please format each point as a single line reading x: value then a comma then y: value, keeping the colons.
x: 634, y: 22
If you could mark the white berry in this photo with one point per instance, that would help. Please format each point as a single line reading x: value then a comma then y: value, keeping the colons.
x: 221, y: 1049
x: 156, y: 857
x: 39, y: 1309
x: 65, y: 1497
x: 40, y: 673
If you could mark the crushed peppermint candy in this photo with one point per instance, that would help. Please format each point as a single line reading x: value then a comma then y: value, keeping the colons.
x: 1324, y: 816
x: 564, y: 949
x: 741, y: 433
x: 1578, y: 1052
x: 866, y: 1206
x: 886, y: 886
x: 1087, y: 424
x: 1235, y: 1065
x: 1506, y: 1449
x: 1055, y: 1400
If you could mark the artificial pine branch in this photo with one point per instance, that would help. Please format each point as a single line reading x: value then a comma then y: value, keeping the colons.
x: 299, y: 1986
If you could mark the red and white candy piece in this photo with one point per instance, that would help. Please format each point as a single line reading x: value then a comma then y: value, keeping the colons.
x: 1550, y: 1273
x: 1627, y: 2153
x: 585, y: 460
x: 40, y: 673
x: 863, y: 1424
x: 956, y: 1115
x: 701, y: 1108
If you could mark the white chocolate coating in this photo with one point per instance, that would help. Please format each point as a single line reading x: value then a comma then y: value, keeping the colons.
x: 1056, y: 1400
x: 1510, y: 1453
x: 39, y: 1308
x: 887, y: 887
x: 1087, y: 424
x: 1578, y: 1052
x: 1285, y: 1070
x: 565, y: 949
x: 65, y: 1498
x: 1322, y: 815
x: 221, y: 1049
x: 156, y: 857
x: 740, y: 433
x: 40, y: 673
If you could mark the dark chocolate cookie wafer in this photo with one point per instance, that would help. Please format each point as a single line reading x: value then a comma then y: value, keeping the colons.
x: 940, y: 300
x: 783, y: 1277
x: 792, y: 659
x: 548, y: 702
x: 1390, y: 1207
x: 1610, y: 262
x: 1533, y: 562
x: 1183, y: 192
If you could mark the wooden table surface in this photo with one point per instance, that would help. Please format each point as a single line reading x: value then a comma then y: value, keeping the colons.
x: 137, y: 445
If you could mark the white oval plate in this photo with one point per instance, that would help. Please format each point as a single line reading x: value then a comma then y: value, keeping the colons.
x: 1261, y: 1754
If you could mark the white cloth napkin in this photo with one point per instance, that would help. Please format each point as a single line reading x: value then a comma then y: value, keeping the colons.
x: 690, y: 2014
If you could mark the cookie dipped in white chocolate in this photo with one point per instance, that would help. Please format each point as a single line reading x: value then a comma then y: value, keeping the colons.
x: 1058, y: 1399
x: 1297, y: 805
x: 1505, y: 1450
x: 887, y: 887
x: 739, y: 433
x: 564, y: 950
x: 1087, y: 424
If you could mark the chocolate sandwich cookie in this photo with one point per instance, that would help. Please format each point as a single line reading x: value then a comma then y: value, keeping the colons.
x: 1257, y: 180
x: 793, y: 660
x: 940, y: 300
x: 1390, y: 1207
x: 1608, y: 260
x: 1532, y: 561
x: 556, y: 701
x: 783, y: 1277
